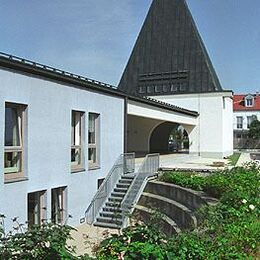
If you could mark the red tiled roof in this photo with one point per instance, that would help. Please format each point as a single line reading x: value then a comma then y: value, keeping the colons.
x: 239, y: 103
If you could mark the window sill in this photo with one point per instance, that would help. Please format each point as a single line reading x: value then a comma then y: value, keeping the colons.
x: 77, y: 170
x: 19, y: 179
x: 93, y: 167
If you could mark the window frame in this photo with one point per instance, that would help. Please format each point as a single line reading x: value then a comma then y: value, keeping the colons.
x: 237, y: 122
x: 62, y: 192
x: 96, y: 145
x: 250, y: 99
x: 9, y: 174
x: 42, y: 207
x: 80, y: 117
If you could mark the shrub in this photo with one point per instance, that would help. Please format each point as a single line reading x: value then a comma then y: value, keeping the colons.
x: 229, y: 230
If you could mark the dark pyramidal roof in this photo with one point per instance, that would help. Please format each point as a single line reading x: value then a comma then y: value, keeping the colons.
x: 169, y: 56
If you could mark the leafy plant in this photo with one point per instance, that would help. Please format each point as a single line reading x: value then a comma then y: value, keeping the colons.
x: 229, y: 230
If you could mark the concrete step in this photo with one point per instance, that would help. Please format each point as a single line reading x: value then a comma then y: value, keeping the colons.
x: 188, y: 197
x: 182, y: 215
x: 125, y: 181
x: 107, y: 225
x: 112, y: 215
x: 168, y: 226
x: 126, y: 177
x: 118, y: 222
x: 123, y: 190
x: 111, y: 209
x: 115, y: 205
x: 115, y: 199
x: 123, y: 185
x: 118, y: 194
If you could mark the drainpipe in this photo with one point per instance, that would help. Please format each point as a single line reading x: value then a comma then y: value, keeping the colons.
x: 125, y: 124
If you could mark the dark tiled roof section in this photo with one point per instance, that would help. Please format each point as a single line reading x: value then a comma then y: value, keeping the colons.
x: 27, y: 66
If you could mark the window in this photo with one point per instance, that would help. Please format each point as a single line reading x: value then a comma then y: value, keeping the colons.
x: 14, y: 141
x: 250, y: 119
x: 36, y: 208
x: 58, y: 205
x: 150, y: 89
x: 77, y: 138
x: 93, y: 140
x: 249, y: 101
x: 142, y: 89
x: 239, y: 122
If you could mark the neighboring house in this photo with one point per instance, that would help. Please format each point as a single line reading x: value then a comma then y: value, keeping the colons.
x: 246, y: 109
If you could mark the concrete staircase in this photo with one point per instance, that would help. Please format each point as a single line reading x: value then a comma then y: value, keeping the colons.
x: 111, y: 215
x: 178, y: 206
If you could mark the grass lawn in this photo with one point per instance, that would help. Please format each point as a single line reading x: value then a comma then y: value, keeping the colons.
x: 234, y: 158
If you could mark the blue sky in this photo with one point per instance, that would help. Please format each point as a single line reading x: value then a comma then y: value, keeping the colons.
x: 94, y: 38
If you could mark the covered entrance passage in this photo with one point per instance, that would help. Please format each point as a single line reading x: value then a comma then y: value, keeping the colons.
x: 163, y: 129
x: 169, y: 137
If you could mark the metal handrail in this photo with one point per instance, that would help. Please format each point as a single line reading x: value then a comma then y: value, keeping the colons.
x: 124, y: 164
x: 148, y: 168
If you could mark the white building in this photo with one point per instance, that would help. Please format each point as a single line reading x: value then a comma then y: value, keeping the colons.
x: 246, y: 109
x: 60, y: 133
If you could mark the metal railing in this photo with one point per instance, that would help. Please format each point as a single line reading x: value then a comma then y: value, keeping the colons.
x: 125, y: 164
x: 148, y: 168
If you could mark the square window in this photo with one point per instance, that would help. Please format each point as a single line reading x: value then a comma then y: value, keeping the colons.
x: 93, y: 140
x: 14, y: 141
x: 77, y: 140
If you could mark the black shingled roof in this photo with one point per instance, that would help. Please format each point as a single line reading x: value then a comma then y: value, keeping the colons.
x: 15, y: 63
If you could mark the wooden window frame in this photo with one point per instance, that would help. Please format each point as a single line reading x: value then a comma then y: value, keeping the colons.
x: 95, y: 145
x: 80, y: 118
x: 42, y: 201
x: 59, y: 219
x: 9, y: 175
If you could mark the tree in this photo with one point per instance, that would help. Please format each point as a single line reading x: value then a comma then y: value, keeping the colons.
x: 254, y: 130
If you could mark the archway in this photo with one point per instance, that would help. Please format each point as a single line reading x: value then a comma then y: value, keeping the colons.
x: 169, y: 137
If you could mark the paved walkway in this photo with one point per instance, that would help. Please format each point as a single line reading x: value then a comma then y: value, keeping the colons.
x: 86, y: 238
x: 186, y: 161
x: 244, y: 158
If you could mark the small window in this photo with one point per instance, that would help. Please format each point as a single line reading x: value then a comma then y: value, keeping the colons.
x: 239, y: 122
x: 174, y: 87
x: 58, y: 205
x: 142, y: 89
x: 77, y: 137
x: 14, y: 141
x: 158, y: 88
x: 93, y: 140
x: 249, y: 101
x: 150, y: 89
x: 36, y: 208
x: 250, y: 119
x: 165, y: 88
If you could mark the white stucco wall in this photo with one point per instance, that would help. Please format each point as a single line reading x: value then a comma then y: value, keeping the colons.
x: 244, y: 114
x: 49, y: 142
x: 212, y: 136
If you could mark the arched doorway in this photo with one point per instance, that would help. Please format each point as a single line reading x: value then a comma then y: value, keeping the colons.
x: 169, y: 137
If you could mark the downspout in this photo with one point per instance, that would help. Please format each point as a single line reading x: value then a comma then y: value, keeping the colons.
x: 125, y: 124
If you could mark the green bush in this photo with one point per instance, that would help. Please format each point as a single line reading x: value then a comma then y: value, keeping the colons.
x: 45, y: 242
x: 229, y: 230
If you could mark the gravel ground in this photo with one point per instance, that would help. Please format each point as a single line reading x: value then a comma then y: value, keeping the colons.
x: 87, y: 238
